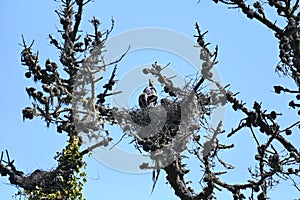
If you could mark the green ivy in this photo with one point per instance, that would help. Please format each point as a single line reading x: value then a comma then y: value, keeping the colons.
x: 70, y: 188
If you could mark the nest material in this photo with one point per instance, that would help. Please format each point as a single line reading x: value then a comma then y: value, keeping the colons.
x: 46, y: 181
x: 157, y: 126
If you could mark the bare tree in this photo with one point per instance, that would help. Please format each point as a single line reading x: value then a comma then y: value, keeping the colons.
x: 66, y: 97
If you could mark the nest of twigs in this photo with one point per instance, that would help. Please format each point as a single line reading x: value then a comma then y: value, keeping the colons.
x: 46, y: 181
x: 157, y: 127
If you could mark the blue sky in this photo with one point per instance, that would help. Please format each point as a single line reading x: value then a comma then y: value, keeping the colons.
x: 247, y: 57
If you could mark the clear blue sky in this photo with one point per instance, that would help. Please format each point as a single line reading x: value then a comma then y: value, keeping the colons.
x: 248, y: 54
